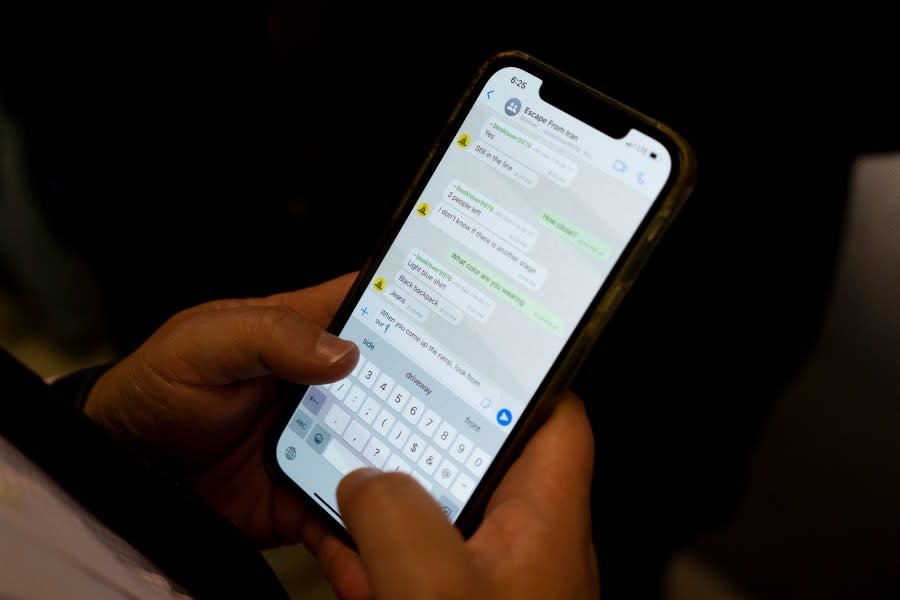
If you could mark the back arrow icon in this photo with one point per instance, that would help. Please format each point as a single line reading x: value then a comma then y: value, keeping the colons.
x: 489, y: 94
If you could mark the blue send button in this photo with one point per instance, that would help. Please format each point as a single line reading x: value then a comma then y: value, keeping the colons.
x: 504, y: 417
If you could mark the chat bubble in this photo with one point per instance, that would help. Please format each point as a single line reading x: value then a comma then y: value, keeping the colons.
x: 490, y: 214
x: 454, y: 288
x: 489, y: 246
x: 573, y: 233
x: 430, y: 299
x: 405, y: 302
x: 503, y: 163
x: 534, y: 155
x: 501, y: 288
x: 436, y: 362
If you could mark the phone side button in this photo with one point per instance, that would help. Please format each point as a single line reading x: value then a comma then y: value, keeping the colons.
x: 340, y: 458
x: 611, y: 299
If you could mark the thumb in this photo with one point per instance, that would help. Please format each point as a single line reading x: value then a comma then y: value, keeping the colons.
x: 220, y: 346
x: 408, y: 547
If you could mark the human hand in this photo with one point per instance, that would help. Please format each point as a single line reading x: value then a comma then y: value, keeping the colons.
x: 534, y: 542
x: 199, y: 395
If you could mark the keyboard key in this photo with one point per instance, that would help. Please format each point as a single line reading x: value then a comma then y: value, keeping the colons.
x: 300, y: 423
x: 399, y: 434
x: 368, y: 374
x: 383, y: 386
x: 449, y: 509
x: 429, y: 423
x: 397, y: 464
x: 369, y: 410
x: 318, y: 438
x: 414, y: 447
x: 430, y: 460
x: 340, y: 388
x: 376, y: 452
x: 413, y: 410
x: 461, y: 448
x: 383, y: 422
x: 398, y: 398
x: 422, y: 480
x: 340, y: 458
x: 446, y: 472
x: 314, y: 400
x: 337, y: 419
x: 463, y: 487
x: 444, y: 435
x: 478, y: 462
x: 357, y: 435
x: 355, y: 398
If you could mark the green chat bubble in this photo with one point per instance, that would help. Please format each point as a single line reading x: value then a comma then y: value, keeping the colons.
x: 501, y: 288
x: 571, y: 232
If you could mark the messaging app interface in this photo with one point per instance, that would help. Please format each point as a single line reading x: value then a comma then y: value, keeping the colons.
x: 495, y: 264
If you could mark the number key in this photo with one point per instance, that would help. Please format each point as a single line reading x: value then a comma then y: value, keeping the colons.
x: 478, y: 462
x: 461, y: 448
x: 369, y: 374
x: 444, y: 436
x: 383, y: 386
x: 398, y: 398
x: 429, y: 423
x: 414, y: 410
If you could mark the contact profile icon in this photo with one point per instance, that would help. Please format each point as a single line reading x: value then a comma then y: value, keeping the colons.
x: 512, y: 107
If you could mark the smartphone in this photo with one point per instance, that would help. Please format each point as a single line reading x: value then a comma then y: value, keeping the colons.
x: 519, y: 236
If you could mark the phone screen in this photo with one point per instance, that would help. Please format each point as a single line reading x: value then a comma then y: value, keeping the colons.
x: 502, y: 251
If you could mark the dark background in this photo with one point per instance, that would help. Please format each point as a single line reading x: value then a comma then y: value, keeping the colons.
x: 189, y: 153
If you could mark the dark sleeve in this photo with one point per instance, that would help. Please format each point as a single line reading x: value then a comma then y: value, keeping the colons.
x: 188, y: 541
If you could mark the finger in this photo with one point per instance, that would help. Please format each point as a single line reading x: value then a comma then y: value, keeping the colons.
x: 339, y: 563
x: 217, y: 347
x: 318, y: 303
x: 406, y: 544
x: 343, y: 569
x: 556, y: 465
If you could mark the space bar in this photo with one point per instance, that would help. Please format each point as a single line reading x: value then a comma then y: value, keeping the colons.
x: 340, y: 458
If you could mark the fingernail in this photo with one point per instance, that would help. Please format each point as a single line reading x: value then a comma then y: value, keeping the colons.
x: 333, y: 348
